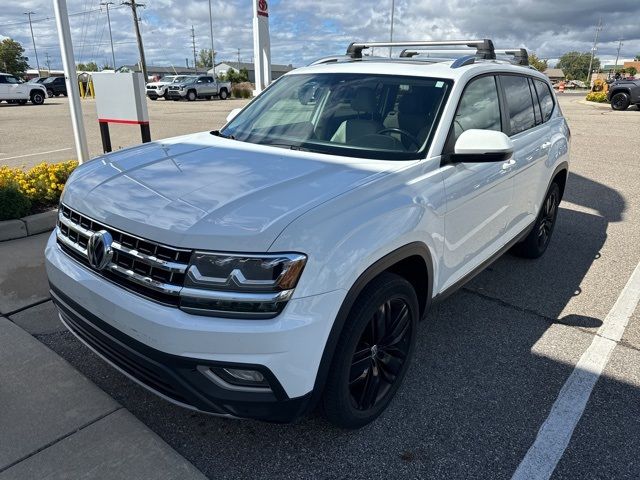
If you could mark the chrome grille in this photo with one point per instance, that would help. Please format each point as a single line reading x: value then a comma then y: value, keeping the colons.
x: 147, y: 268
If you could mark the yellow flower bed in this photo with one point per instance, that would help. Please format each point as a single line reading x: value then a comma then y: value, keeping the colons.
x: 600, y: 97
x: 41, y: 184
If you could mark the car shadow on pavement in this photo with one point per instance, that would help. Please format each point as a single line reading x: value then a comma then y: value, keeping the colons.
x: 483, y: 379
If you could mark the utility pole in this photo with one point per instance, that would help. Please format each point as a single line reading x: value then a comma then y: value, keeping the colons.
x: 143, y: 62
x: 33, y: 39
x: 48, y: 63
x: 193, y: 43
x: 238, y: 60
x: 618, y: 54
x: 593, y: 50
x: 113, y: 55
x: 213, y: 57
x: 393, y: 10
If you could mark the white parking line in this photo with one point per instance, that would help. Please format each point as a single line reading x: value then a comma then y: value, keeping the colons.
x: 32, y: 154
x: 555, y: 433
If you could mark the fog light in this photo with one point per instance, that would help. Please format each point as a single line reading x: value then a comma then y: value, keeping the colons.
x: 245, y: 375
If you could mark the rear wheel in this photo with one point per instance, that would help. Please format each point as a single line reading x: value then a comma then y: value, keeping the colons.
x: 37, y: 98
x: 223, y: 94
x: 620, y: 101
x: 536, y: 243
x: 373, y: 354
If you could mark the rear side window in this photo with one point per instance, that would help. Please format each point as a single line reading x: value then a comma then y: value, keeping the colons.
x: 545, y: 98
x: 479, y: 108
x: 519, y: 103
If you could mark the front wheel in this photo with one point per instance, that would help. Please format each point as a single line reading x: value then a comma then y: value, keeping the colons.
x: 620, y: 101
x: 191, y: 95
x: 37, y: 98
x: 536, y: 243
x: 50, y: 93
x: 373, y: 353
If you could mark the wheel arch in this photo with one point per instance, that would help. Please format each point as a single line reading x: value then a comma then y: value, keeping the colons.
x: 413, y: 262
x: 559, y: 176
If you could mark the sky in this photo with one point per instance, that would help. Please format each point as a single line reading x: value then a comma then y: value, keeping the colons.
x: 303, y: 30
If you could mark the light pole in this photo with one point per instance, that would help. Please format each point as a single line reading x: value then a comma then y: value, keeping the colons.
x: 113, y: 55
x: 213, y: 59
x: 33, y: 39
x: 393, y: 10
x: 593, y: 50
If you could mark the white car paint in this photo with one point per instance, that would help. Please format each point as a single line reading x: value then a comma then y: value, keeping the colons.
x: 205, y: 192
x: 10, y: 89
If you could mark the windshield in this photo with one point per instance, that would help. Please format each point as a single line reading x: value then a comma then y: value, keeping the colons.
x: 49, y: 80
x: 188, y: 79
x: 179, y: 79
x: 168, y: 78
x: 370, y: 116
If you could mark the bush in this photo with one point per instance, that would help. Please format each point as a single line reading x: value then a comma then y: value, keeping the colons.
x: 239, y: 92
x: 13, y: 203
x: 600, y: 97
x: 41, y: 185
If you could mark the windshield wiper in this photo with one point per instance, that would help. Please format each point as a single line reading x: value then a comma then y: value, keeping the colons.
x: 218, y: 133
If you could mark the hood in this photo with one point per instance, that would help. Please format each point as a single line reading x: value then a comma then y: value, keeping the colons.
x: 207, y: 192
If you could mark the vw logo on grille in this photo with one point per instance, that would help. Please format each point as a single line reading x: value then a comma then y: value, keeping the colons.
x: 99, y: 251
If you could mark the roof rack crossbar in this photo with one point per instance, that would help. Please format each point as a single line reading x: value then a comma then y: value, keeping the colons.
x: 520, y: 55
x: 484, y: 48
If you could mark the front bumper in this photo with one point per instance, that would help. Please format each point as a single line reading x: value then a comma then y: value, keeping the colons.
x: 176, y: 93
x: 162, y: 347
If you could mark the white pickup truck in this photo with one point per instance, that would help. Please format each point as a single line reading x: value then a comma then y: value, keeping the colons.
x: 158, y: 89
x: 199, y: 86
x: 14, y: 90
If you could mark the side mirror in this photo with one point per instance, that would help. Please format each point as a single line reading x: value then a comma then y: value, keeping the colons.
x: 232, y: 114
x: 475, y: 146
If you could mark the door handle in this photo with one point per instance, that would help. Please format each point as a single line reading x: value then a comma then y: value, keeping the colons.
x: 508, y: 165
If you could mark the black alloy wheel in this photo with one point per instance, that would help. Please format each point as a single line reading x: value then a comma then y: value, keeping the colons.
x: 548, y: 218
x: 380, y: 354
x: 537, y: 241
x: 37, y: 98
x: 373, y: 352
x: 50, y: 93
x: 620, y: 101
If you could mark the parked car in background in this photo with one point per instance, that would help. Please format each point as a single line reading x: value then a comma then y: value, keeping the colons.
x: 14, y: 90
x: 199, y: 86
x: 623, y: 93
x: 55, y: 86
x: 158, y: 89
x: 37, y: 80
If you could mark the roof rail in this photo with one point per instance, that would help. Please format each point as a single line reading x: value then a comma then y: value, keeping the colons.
x: 484, y: 48
x: 520, y: 55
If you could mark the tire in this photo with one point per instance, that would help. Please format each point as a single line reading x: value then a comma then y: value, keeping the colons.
x: 385, y: 314
x: 223, y: 94
x: 37, y: 98
x: 536, y: 243
x: 50, y: 93
x: 165, y: 96
x: 191, y: 95
x: 620, y: 101
x: 21, y: 102
x: 153, y: 98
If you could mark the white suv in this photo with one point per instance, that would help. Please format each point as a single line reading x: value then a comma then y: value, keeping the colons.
x: 14, y: 90
x: 286, y: 260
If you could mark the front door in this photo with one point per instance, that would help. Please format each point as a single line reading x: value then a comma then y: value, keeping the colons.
x: 479, y: 195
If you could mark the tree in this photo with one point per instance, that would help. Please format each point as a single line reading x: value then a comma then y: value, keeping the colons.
x: 637, y: 58
x: 204, y: 58
x: 538, y: 63
x: 575, y: 65
x: 234, y: 76
x: 87, y: 67
x: 12, y: 59
x: 632, y: 71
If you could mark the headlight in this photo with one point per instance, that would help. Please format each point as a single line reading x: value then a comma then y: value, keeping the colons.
x: 240, y: 286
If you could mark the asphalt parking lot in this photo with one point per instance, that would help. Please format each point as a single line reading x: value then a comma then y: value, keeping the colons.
x: 491, y: 360
x: 30, y: 134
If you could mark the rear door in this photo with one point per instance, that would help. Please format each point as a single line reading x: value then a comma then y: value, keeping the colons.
x: 531, y: 138
x: 478, y: 194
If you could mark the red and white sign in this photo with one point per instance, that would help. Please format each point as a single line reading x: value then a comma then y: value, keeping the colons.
x: 263, y: 8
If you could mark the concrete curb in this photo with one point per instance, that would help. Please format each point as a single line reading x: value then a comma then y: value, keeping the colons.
x: 29, y: 225
x: 603, y: 106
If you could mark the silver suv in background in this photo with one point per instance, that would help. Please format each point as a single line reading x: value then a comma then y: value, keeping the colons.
x: 158, y: 89
x: 199, y: 86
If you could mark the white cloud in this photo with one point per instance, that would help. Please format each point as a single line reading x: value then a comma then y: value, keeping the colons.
x: 302, y: 30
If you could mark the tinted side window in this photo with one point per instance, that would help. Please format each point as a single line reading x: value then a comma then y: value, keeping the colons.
x: 545, y: 98
x: 479, y: 108
x: 519, y: 103
x: 3, y: 79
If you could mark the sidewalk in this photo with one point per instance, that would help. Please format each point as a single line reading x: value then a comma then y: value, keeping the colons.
x: 54, y: 422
